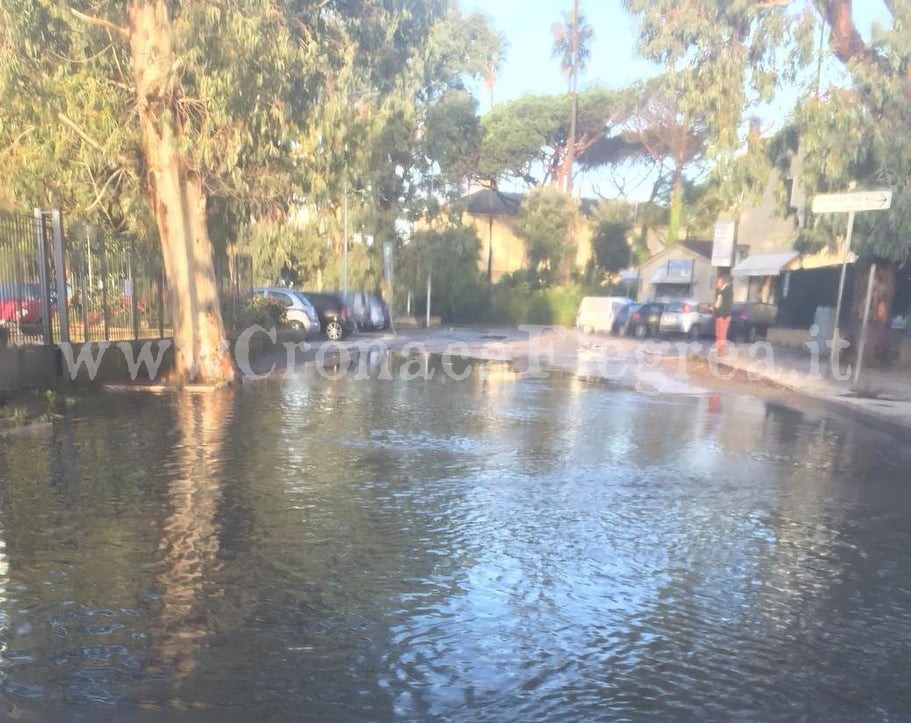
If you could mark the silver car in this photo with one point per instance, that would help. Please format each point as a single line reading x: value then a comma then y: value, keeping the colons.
x: 689, y: 317
x: 299, y: 311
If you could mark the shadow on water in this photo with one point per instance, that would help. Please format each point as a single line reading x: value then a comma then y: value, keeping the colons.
x: 411, y: 539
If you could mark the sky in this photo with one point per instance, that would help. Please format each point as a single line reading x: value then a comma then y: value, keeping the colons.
x: 529, y: 66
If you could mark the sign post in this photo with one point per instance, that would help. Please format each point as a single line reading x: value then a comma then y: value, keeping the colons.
x: 850, y: 203
x: 723, y: 243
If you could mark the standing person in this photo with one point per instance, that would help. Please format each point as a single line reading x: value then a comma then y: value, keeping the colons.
x: 724, y: 300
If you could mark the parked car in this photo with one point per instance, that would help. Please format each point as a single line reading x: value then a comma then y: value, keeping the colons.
x: 624, y: 317
x: 368, y: 310
x: 644, y: 321
x: 334, y: 313
x: 689, y: 317
x: 601, y: 313
x: 750, y: 320
x: 299, y: 310
x: 379, y: 312
x: 20, y: 303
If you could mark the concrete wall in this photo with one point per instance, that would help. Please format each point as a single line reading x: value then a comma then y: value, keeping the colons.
x: 28, y: 366
x: 113, y: 364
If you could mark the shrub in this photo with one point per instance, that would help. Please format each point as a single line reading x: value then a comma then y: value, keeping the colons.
x: 242, y: 312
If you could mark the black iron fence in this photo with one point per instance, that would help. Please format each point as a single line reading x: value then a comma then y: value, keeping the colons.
x: 87, y: 284
x: 116, y: 288
x: 27, y: 291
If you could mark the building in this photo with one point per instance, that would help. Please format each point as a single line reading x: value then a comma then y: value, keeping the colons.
x: 492, y: 214
x: 681, y: 270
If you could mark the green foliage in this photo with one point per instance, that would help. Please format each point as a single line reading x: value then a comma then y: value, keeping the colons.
x: 453, y: 135
x: 525, y: 139
x: 514, y: 301
x: 742, y: 52
x: 611, y: 237
x: 451, y: 257
x: 546, y: 221
x: 242, y: 312
x: 284, y: 108
x: 572, y: 41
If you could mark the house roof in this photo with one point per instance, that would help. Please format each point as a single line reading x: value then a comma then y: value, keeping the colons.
x: 699, y: 250
x: 703, y: 248
x: 490, y: 202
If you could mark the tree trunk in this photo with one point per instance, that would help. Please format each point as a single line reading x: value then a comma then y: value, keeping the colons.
x: 876, y: 350
x: 675, y: 213
x: 178, y: 201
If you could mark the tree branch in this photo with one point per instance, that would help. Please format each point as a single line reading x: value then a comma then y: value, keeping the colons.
x: 81, y: 133
x: 846, y: 40
x: 121, y: 31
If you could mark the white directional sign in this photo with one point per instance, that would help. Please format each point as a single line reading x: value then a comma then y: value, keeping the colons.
x: 723, y: 243
x: 852, y: 201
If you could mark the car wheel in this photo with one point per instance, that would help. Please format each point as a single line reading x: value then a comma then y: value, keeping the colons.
x: 295, y: 326
x: 334, y: 330
x: 694, y: 332
x: 640, y: 332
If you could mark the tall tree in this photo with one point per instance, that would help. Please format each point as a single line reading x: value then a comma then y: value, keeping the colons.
x: 572, y: 39
x: 150, y: 109
x: 527, y: 139
x: 546, y: 222
x: 719, y: 61
x: 859, y: 133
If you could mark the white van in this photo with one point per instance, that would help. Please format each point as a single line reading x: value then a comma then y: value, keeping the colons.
x: 601, y: 313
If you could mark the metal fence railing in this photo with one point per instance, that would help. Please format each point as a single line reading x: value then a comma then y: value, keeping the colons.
x: 25, y: 294
x: 116, y: 288
x: 88, y: 283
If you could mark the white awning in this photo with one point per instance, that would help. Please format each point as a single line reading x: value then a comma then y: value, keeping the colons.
x: 764, y: 264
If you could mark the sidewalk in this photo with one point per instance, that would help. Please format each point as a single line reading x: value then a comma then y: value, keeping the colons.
x: 882, y: 392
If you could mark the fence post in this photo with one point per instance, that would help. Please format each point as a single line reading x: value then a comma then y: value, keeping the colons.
x: 134, y: 315
x: 42, y: 277
x: 105, y: 302
x: 63, y: 296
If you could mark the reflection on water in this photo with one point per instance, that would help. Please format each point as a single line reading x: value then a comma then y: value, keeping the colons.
x: 486, y: 549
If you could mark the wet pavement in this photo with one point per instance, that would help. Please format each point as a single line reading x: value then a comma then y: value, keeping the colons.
x: 463, y: 547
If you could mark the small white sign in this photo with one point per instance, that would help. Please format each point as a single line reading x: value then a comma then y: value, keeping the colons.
x: 853, y: 201
x: 723, y: 243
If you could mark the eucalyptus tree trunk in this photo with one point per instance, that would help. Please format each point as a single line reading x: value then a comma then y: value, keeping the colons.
x: 178, y: 201
x: 876, y: 350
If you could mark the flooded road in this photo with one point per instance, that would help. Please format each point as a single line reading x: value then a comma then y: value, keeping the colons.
x: 480, y: 550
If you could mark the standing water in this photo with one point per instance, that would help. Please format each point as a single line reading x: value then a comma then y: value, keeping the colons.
x: 488, y: 549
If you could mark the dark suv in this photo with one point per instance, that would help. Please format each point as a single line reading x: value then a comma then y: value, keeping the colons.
x: 335, y: 316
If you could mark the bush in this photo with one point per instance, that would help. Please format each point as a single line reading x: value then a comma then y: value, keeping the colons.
x: 242, y: 312
x: 516, y: 302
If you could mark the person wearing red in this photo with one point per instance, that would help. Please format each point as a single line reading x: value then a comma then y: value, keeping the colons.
x: 724, y: 301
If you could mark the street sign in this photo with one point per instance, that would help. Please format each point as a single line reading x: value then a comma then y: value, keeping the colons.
x: 723, y: 243
x: 879, y: 200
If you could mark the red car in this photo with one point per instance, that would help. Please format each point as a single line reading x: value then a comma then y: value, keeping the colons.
x: 20, y: 303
